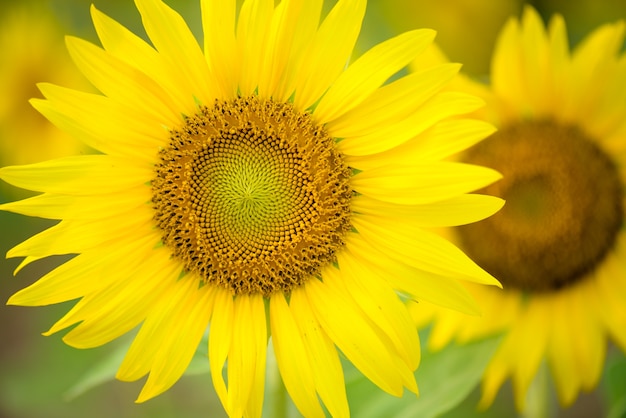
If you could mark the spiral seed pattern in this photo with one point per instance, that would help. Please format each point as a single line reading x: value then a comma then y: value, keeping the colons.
x: 252, y: 195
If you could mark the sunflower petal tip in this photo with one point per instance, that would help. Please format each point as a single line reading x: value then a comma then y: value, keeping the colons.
x: 35, y: 101
x: 427, y: 32
x: 492, y: 281
x: 23, y: 264
x: 500, y: 202
x: 413, y: 388
x: 13, y: 300
x: 147, y: 393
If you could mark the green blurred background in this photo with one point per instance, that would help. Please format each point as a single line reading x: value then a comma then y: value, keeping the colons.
x: 37, y: 373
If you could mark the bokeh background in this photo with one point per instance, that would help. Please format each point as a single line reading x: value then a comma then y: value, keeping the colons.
x: 39, y: 375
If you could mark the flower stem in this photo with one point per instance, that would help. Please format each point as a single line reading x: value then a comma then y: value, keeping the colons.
x: 280, y: 399
x: 278, y: 403
x: 538, y: 403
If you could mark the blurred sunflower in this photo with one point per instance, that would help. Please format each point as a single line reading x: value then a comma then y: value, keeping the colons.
x: 259, y: 186
x: 558, y: 245
x: 32, y: 52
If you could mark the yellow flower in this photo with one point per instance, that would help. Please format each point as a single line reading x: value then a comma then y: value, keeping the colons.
x: 258, y: 187
x: 557, y: 246
x: 32, y: 51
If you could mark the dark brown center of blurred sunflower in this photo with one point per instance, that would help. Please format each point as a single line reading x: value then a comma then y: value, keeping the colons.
x: 252, y: 195
x: 563, y: 211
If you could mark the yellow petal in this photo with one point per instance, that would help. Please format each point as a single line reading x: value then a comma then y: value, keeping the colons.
x: 220, y: 45
x: 75, y: 237
x: 592, y: 66
x: 120, y: 306
x: 296, y: 44
x: 611, y: 286
x: 84, y: 274
x: 369, y: 72
x: 378, y: 301
x: 533, y: 325
x: 220, y: 338
x: 420, y: 285
x: 421, y: 249
x: 589, y: 342
x: 459, y: 210
x: 535, y: 55
x: 559, y: 55
x: 80, y: 175
x: 280, y: 38
x: 507, y: 78
x: 435, y: 110
x: 131, y: 87
x: 155, y: 330
x: 423, y: 182
x: 392, y: 102
x: 329, y: 51
x: 494, y: 377
x: 186, y: 323
x: 175, y: 42
x: 500, y: 310
x: 561, y: 354
x: 350, y: 331
x: 439, y: 142
x: 128, y: 47
x: 255, y: 19
x: 445, y: 328
x: 26, y: 261
x: 328, y: 375
x: 55, y: 206
x: 89, y: 117
x: 246, y: 359
x: 293, y: 359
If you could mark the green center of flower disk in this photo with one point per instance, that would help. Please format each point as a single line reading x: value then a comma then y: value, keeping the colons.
x: 252, y: 195
x: 563, y: 207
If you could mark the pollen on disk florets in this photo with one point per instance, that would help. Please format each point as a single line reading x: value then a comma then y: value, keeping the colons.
x: 252, y: 195
x: 563, y: 212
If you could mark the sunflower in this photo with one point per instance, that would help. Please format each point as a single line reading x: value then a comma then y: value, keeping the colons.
x: 558, y: 245
x: 32, y: 52
x: 258, y: 187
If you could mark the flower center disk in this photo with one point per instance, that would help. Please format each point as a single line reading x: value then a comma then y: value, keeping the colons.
x: 251, y: 195
x: 563, y: 211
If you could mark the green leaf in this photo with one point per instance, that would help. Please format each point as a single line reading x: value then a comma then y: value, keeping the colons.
x: 445, y: 378
x: 200, y: 361
x: 104, y: 370
x: 101, y: 372
x: 615, y: 383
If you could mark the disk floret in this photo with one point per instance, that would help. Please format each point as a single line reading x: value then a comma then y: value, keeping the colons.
x: 252, y: 195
